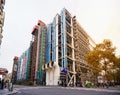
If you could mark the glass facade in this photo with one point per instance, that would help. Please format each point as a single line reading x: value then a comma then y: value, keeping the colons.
x: 54, y: 40
x: 48, y: 43
x: 63, y: 39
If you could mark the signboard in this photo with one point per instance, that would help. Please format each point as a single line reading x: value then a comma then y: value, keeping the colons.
x: 100, y: 79
x: 64, y: 70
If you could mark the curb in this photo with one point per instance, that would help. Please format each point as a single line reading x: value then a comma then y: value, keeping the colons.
x: 95, y: 89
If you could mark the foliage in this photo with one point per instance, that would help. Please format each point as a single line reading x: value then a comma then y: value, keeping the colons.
x: 117, y: 65
x: 103, y: 58
x: 117, y: 71
x: 88, y: 84
x: 29, y: 83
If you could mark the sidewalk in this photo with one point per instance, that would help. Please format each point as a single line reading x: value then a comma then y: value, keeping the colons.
x: 110, y: 89
x: 6, y: 92
x: 3, y: 92
x: 115, y: 88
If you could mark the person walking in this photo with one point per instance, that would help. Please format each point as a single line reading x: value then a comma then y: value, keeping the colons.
x: 10, y: 86
x: 0, y: 83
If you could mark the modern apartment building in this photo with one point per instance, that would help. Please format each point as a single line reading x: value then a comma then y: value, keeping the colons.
x: 29, y: 64
x: 14, y: 69
x: 57, y: 54
x: 66, y: 47
x: 38, y: 52
x: 23, y: 66
x: 2, y: 16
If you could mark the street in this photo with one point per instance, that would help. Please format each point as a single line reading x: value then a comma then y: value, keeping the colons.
x: 24, y: 90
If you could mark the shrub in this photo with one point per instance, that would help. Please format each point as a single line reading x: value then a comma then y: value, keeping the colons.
x: 30, y: 83
x: 88, y: 85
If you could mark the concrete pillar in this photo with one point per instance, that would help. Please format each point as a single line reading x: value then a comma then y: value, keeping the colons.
x: 56, y: 74
x: 73, y: 55
x: 51, y: 77
x: 47, y: 77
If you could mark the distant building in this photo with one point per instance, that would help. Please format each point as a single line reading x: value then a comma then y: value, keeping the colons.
x: 14, y: 69
x: 2, y: 16
x: 23, y: 66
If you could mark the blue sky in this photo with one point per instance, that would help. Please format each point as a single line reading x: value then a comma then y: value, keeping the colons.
x: 99, y: 18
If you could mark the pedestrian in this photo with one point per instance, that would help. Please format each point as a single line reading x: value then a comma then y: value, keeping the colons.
x: 10, y: 86
x: 6, y: 84
x: 106, y: 85
x: 0, y: 83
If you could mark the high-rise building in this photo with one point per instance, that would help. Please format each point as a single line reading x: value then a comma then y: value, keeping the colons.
x: 38, y: 52
x: 21, y: 67
x: 57, y: 53
x: 66, y: 47
x: 2, y: 16
x: 14, y: 69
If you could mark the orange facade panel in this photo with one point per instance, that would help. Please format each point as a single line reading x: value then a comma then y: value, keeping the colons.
x: 41, y: 23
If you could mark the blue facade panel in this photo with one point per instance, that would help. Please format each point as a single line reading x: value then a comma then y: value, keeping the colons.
x: 26, y: 57
x: 48, y: 44
x: 27, y: 62
x: 63, y: 38
x: 54, y: 40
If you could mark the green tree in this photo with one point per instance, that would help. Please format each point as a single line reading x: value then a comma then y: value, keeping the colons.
x: 102, y: 58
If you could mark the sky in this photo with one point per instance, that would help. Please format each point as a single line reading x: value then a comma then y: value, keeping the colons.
x: 99, y: 18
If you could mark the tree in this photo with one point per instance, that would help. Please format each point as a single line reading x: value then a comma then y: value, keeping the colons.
x: 117, y: 65
x: 117, y: 71
x: 93, y: 61
x: 102, y: 58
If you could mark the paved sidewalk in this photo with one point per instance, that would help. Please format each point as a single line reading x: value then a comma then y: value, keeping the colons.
x: 110, y: 89
x: 18, y: 87
x: 6, y: 92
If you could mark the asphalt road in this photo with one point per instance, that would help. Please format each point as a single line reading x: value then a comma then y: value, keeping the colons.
x: 63, y: 91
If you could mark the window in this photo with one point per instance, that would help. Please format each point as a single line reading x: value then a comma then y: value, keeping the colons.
x: 68, y: 28
x: 69, y: 51
x: 69, y: 39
